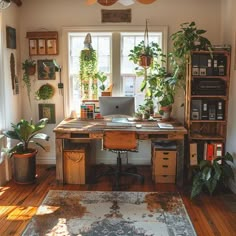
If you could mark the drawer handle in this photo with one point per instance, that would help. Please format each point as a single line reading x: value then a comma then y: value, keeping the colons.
x: 165, y: 158
x: 165, y: 166
x: 76, y: 161
x: 165, y: 153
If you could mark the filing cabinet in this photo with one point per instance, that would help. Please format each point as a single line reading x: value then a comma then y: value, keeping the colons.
x: 164, y: 165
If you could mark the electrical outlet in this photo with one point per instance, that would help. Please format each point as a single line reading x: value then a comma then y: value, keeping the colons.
x: 47, y: 148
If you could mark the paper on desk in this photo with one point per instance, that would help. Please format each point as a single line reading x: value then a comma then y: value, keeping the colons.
x: 165, y: 126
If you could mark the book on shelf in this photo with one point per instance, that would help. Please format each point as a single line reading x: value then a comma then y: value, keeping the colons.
x: 212, y: 151
x: 193, y: 154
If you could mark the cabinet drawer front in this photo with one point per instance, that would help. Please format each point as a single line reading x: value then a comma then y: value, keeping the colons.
x: 165, y: 169
x: 165, y: 179
x: 165, y: 154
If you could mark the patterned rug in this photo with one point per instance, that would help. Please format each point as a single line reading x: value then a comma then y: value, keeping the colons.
x: 110, y: 213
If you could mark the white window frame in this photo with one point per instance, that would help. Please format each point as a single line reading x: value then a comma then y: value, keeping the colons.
x: 115, y: 67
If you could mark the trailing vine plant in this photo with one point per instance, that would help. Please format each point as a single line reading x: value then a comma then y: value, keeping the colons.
x: 88, y: 70
x: 29, y: 67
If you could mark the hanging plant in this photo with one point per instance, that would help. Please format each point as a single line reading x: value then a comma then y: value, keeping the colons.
x: 29, y: 67
x: 88, y: 69
x: 45, y: 92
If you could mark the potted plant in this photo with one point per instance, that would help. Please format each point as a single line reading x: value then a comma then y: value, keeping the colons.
x: 185, y: 40
x: 143, y: 55
x: 101, y: 76
x: 88, y: 70
x: 29, y: 67
x: 212, y: 175
x: 46, y: 91
x: 23, y: 154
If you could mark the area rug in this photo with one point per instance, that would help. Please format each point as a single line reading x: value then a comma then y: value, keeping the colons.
x: 87, y: 213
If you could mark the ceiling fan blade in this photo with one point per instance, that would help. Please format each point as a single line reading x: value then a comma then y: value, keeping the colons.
x: 90, y: 2
x: 146, y: 1
x: 106, y: 2
x: 17, y: 2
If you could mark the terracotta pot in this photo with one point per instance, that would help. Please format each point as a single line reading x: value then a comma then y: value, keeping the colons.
x: 24, y: 167
x: 31, y: 70
x: 145, y: 61
x: 166, y: 112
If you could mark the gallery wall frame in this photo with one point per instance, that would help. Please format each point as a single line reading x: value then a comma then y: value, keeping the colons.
x: 43, y: 43
x: 47, y: 110
x: 46, y: 69
x: 11, y: 37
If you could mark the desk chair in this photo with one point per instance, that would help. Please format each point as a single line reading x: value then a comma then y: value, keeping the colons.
x: 120, y: 142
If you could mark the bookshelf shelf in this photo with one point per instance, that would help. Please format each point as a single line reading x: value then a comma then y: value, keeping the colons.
x: 206, y: 102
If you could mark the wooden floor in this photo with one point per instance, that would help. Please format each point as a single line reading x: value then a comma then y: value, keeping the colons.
x: 18, y: 203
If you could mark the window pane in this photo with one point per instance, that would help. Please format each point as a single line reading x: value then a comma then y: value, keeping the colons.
x: 101, y: 44
x: 131, y: 83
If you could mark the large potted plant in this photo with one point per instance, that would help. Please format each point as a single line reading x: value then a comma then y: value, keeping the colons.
x: 23, y: 153
x: 211, y: 176
x: 186, y: 40
x: 157, y: 82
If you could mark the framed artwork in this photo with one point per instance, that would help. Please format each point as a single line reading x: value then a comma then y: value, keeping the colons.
x: 51, y: 46
x: 41, y: 47
x: 11, y: 37
x: 33, y: 48
x: 116, y: 16
x: 47, y: 111
x: 46, y: 70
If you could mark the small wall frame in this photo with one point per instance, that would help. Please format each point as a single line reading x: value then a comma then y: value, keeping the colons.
x: 47, y: 111
x: 11, y: 37
x: 46, y: 70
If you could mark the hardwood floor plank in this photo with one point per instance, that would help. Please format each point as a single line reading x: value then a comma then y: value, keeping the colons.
x: 18, y: 203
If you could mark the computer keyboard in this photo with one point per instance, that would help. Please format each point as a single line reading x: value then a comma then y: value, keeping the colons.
x: 119, y: 119
x: 119, y: 124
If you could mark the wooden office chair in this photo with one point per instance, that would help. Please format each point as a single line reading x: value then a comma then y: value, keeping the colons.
x: 120, y: 142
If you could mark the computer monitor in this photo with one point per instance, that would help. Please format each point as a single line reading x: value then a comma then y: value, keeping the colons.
x: 115, y: 106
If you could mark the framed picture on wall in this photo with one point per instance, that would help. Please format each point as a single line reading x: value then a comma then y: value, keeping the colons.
x: 47, y: 111
x: 11, y: 37
x: 51, y: 46
x: 41, y: 46
x: 46, y: 70
x: 33, y: 47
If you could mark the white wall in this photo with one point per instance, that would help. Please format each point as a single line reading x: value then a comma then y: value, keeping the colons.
x: 10, y: 17
x: 228, y: 36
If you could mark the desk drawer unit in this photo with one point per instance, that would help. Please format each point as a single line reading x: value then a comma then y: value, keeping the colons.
x: 164, y: 166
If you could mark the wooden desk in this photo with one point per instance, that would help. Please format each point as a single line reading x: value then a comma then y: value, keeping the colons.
x: 87, y: 130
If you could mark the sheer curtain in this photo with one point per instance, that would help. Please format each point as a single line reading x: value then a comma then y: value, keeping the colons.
x: 2, y: 85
